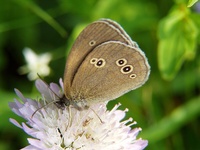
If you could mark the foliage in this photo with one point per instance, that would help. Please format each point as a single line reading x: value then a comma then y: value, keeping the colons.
x: 166, y: 107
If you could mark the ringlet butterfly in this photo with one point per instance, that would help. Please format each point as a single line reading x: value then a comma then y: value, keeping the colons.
x: 104, y: 63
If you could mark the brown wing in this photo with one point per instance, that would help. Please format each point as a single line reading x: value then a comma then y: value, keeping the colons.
x: 93, y: 35
x: 109, y: 71
x: 116, y: 25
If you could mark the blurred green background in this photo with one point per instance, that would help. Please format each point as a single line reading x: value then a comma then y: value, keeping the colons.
x: 167, y: 107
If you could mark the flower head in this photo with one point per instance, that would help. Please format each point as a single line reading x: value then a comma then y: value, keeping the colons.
x: 197, y: 7
x: 36, y: 64
x: 52, y: 128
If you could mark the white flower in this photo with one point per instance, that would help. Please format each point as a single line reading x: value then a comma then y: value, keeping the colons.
x: 36, y: 64
x: 55, y: 129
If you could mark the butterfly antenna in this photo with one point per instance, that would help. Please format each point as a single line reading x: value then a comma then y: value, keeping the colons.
x: 39, y: 76
x: 48, y: 86
x: 41, y: 108
x: 97, y: 115
x: 49, y: 102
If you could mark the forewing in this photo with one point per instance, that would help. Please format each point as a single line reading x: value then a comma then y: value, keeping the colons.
x: 121, y: 30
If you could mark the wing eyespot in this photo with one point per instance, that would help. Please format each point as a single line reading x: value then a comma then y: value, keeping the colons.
x: 100, y: 63
x: 93, y: 60
x: 126, y: 69
x: 121, y: 62
x: 133, y: 76
x: 92, y: 42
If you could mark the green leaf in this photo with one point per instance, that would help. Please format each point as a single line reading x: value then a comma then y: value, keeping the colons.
x: 191, y: 3
x: 177, y: 41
